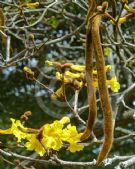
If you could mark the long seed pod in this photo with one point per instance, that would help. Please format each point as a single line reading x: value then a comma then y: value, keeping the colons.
x: 2, y: 20
x: 89, y: 75
x: 103, y: 91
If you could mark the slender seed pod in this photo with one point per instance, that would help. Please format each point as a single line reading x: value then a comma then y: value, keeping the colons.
x: 89, y: 76
x: 103, y: 91
x: 93, y: 45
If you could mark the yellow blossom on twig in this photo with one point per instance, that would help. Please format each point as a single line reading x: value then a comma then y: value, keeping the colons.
x: 128, y: 8
x: 114, y: 84
x: 29, y: 73
x: 61, y: 77
x: 73, y: 147
x: 71, y: 136
x: 79, y: 68
x: 58, y: 76
x: 50, y: 136
x: 58, y: 93
x: 49, y: 63
x: 15, y: 130
x: 32, y: 5
x: 33, y: 144
x: 73, y: 75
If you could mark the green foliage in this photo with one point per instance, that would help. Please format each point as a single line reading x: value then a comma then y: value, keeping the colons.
x: 53, y: 21
x: 107, y: 52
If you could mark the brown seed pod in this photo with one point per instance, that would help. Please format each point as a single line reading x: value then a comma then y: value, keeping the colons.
x: 2, y: 19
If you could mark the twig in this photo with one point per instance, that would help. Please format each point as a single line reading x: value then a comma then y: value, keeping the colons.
x: 76, y: 107
x: 125, y: 164
x: 70, y: 163
x: 8, y: 48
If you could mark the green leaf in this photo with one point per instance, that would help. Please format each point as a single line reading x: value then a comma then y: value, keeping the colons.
x: 53, y: 21
x: 107, y: 51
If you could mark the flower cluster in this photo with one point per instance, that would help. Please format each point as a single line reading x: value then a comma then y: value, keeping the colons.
x: 74, y: 75
x: 49, y: 136
x: 129, y: 14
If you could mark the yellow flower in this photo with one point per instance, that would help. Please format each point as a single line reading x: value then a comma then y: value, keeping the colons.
x: 56, y: 64
x: 7, y: 131
x: 112, y: 22
x: 52, y: 134
x: 54, y: 129
x: 115, y: 86
x: 75, y: 147
x: 108, y: 68
x: 122, y: 20
x: 16, y: 130
x: 65, y: 120
x: 26, y: 69
x: 79, y: 68
x: 71, y: 136
x: 33, y: 5
x: 58, y: 93
x: 58, y: 76
x: 34, y: 144
x: 78, y: 84
x: 95, y: 82
x: 52, y: 142
x: 49, y: 63
x: 29, y: 73
x: 73, y: 75
x: 50, y: 137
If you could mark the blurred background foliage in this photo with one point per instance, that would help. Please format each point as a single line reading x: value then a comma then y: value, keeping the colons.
x: 19, y: 94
